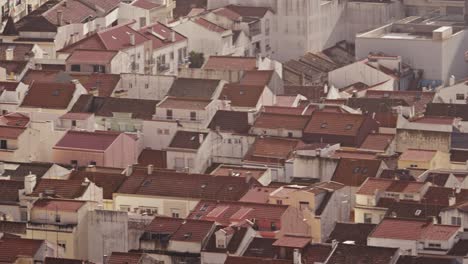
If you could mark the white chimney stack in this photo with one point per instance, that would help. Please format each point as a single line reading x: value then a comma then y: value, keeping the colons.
x: 29, y: 183
x: 129, y: 170
x: 132, y: 39
x: 59, y: 18
x: 200, y: 138
x: 2, y: 168
x: 150, y: 169
x: 297, y: 257
x: 452, y: 200
x: 452, y: 80
x: 10, y: 53
x: 173, y: 36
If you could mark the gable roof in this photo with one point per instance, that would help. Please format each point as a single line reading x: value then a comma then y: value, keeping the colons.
x: 335, y: 123
x: 154, y: 157
x: 440, y: 195
x: 417, y: 99
x: 184, y: 103
x: 195, y: 186
x: 87, y: 141
x: 21, y: 51
x: 230, y: 121
x: 109, y: 182
x: 249, y: 11
x: 193, y: 88
x: 209, y: 25
x: 257, y: 77
x: 356, y: 232
x: 188, y: 230
x: 272, y: 150
x: 452, y: 110
x: 49, y: 95
x: 378, y: 141
x: 10, y: 132
x: 81, y: 56
x: 242, y: 95
x: 345, y: 253
x: 160, y: 35
x: 371, y: 185
x: 353, y: 172
x: 13, y: 248
x: 125, y: 258
x: 418, y: 155
x: 9, y: 191
x: 277, y: 121
x: 403, y: 229
x: 68, y: 189
x: 56, y: 204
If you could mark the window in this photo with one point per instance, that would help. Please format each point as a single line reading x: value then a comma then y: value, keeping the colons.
x: 408, y: 196
x: 460, y: 96
x: 169, y: 114
x: 57, y: 218
x: 413, y: 165
x: 74, y: 163
x: 179, y: 163
x: 76, y: 68
x: 99, y: 68
x: 160, y: 131
x: 149, y: 210
x: 62, y: 244
x: 220, y: 244
x: 125, y: 208
x: 303, y: 205
x: 171, y: 55
x: 418, y: 212
x: 146, y: 86
x: 434, y: 245
x: 175, y: 213
x: 3, y: 144
x: 267, y: 27
x: 193, y: 116
x: 273, y: 226
x: 349, y: 126
x: 324, y: 125
x: 290, y: 134
x: 92, y: 163
x: 456, y: 220
x: 190, y: 163
x: 280, y: 202
x: 4, y: 112
x: 73, y: 123
x: 367, y: 218
x: 166, y: 131
x: 356, y: 169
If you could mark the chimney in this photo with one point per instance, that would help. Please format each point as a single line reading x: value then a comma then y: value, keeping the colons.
x: 150, y: 169
x: 325, y: 89
x: 452, y: 200
x: 59, y: 18
x: 2, y: 168
x: 173, y: 36
x: 91, y: 168
x: 231, y: 172
x: 200, y: 138
x: 29, y: 183
x: 9, y: 53
x: 297, y: 257
x: 129, y: 170
x: 132, y: 39
x: 452, y: 80
x: 248, y: 176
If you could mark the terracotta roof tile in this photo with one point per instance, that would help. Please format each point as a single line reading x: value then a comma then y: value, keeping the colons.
x: 377, y: 141
x: 357, y: 232
x: 345, y: 253
x: 125, y: 258
x: 371, y: 185
x: 230, y: 121
x: 257, y: 77
x: 109, y: 182
x: 418, y: 155
x: 197, y: 186
x: 154, y: 157
x: 233, y: 245
x: 87, y: 141
x: 272, y: 150
x: 277, y: 121
x: 163, y: 37
x: 184, y: 103
x: 353, y: 172
x: 230, y: 63
x: 102, y: 82
x: 145, y: 4
x: 14, y: 120
x: 68, y: 189
x: 413, y: 98
x: 334, y: 123
x: 80, y: 56
x: 254, y: 260
x: 9, y: 191
x: 292, y: 241
x: 413, y: 230
x: 49, y: 95
x: 249, y: 11
x: 193, y: 88
x: 283, y: 110
x: 209, y: 25
x: 61, y: 205
x: 9, y: 132
x: 440, y: 195
x: 12, y: 248
x: 242, y: 95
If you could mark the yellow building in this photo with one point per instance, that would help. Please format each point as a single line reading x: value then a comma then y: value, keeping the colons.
x: 424, y: 159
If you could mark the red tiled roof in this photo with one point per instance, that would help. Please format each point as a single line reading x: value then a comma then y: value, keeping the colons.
x: 230, y: 63
x: 9, y: 191
x: 8, y: 86
x: 109, y: 182
x: 435, y: 120
x: 226, y: 170
x: 440, y: 195
x: 242, y: 95
x: 272, y: 150
x: 196, y: 186
x: 209, y: 25
x: 115, y: 38
x: 249, y: 11
x: 413, y: 230
x: 228, y: 13
x: 125, y: 258
x: 77, y: 11
x: 353, y: 172
x: 60, y: 205
x: 184, y: 103
x: 162, y: 38
x: 371, y: 185
x: 334, y: 123
x: 193, y: 231
x: 87, y: 141
x: 154, y: 157
x: 283, y: 110
x: 292, y: 242
x: 102, y: 82
x: 9, y: 132
x: 68, y: 189
x: 418, y: 155
x: 49, y: 95
x: 257, y: 77
x: 76, y: 116
x: 413, y: 98
x: 13, y: 248
x: 80, y: 56
x: 145, y: 4
x: 14, y: 120
x: 187, y: 140
x: 276, y: 121
x: 204, y: 209
x: 377, y: 141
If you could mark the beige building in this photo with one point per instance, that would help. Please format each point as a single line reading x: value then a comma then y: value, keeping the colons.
x: 424, y: 159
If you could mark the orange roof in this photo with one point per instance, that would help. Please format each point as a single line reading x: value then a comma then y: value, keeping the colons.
x: 60, y: 205
x: 377, y: 141
x: 276, y: 121
x: 184, y: 103
x: 418, y: 155
x: 242, y: 95
x: 371, y: 185
x: 230, y: 63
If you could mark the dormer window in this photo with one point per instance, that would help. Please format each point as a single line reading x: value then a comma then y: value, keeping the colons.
x: 324, y: 125
x: 349, y: 126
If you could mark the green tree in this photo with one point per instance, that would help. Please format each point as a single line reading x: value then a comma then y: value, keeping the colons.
x: 196, y: 59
